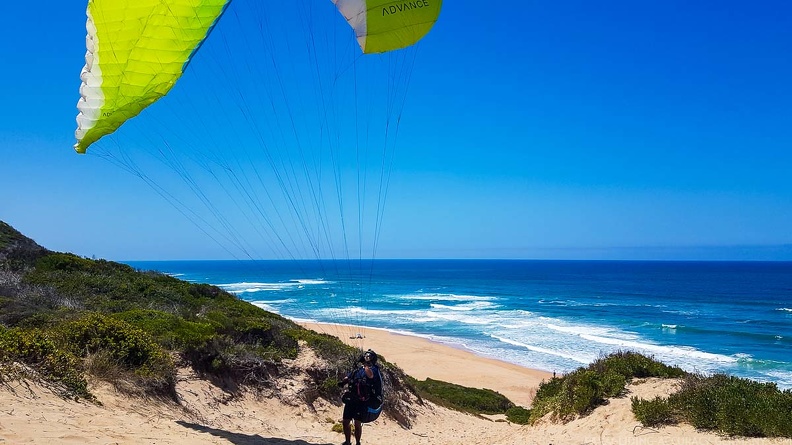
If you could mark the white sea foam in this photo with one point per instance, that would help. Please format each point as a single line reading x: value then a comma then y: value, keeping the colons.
x: 281, y: 301
x: 460, y: 317
x: 669, y: 326
x: 784, y: 309
x: 554, y: 352
x: 624, y: 340
x: 389, y: 313
x: 678, y: 351
x: 443, y: 297
x: 588, y: 330
x: 245, y: 287
x: 476, y: 305
x: 447, y: 316
x: 689, y: 313
x: 518, y: 319
x: 312, y: 282
x: 265, y: 306
x: 250, y: 287
x: 782, y: 378
x: 560, y: 302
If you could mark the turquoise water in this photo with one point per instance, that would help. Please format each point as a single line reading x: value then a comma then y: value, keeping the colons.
x: 733, y: 317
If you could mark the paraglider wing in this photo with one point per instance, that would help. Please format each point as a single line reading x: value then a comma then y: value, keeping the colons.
x: 387, y: 25
x: 136, y: 51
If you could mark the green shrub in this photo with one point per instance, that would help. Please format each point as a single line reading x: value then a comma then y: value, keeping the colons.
x: 170, y: 331
x: 613, y: 383
x: 326, y: 346
x: 549, y: 389
x: 654, y: 412
x: 131, y: 348
x: 518, y: 415
x: 65, y: 262
x: 38, y: 350
x: 734, y: 406
x: 632, y: 364
x: 473, y: 400
x: 582, y: 390
x: 229, y: 362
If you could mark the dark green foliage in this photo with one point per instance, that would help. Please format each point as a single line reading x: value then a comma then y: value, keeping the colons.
x: 213, y: 330
x: 632, y: 364
x: 548, y: 389
x: 18, y: 252
x: 39, y: 351
x: 7, y: 235
x: 128, y: 347
x: 518, y: 415
x: 612, y: 383
x: 574, y: 394
x: 654, y: 412
x: 326, y: 346
x: 582, y: 390
x: 170, y: 331
x: 477, y: 401
x: 231, y: 363
x: 734, y: 406
x: 121, y: 322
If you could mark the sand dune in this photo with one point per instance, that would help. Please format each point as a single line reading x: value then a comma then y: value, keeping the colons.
x: 31, y: 413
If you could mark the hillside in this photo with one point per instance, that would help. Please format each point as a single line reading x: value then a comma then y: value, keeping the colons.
x: 71, y: 319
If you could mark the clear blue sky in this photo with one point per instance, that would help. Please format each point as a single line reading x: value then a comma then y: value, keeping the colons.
x: 564, y: 129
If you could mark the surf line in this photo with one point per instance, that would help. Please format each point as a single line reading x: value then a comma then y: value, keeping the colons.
x: 405, y: 6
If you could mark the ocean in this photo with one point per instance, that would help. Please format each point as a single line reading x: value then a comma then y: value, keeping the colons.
x: 707, y: 317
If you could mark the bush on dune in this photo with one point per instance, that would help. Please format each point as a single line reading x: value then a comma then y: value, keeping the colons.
x: 39, y: 351
x: 170, y: 331
x: 137, y: 354
x: 73, y: 315
x: 653, y: 413
x: 518, y: 415
x: 725, y: 404
x: 634, y: 365
x: 476, y: 401
x: 582, y: 390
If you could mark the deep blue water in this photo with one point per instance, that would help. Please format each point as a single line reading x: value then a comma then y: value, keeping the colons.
x: 733, y: 317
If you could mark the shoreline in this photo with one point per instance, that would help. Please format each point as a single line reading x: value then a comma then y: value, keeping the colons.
x: 424, y: 358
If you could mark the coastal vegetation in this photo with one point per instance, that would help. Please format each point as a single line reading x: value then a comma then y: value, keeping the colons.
x: 579, y: 392
x: 461, y: 398
x: 726, y: 404
x: 471, y: 400
x: 64, y: 318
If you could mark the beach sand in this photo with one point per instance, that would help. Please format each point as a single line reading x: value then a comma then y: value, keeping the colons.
x: 422, y: 358
x: 32, y: 413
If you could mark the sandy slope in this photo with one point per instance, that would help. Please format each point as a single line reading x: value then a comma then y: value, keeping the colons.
x: 30, y: 413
